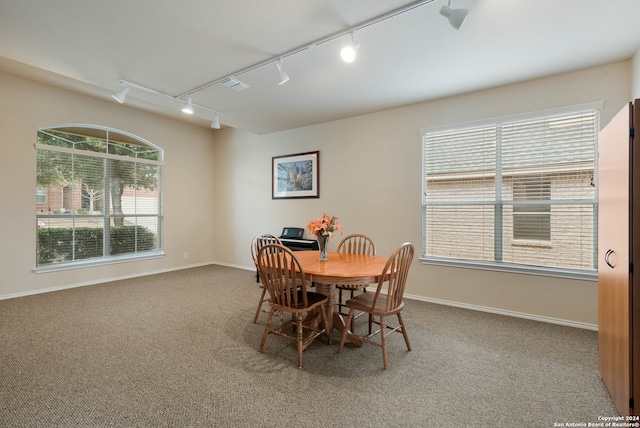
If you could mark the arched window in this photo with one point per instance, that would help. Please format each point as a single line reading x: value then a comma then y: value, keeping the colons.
x: 98, y: 196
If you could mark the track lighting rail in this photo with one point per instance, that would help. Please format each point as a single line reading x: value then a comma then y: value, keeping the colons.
x: 455, y: 16
x: 310, y: 45
x: 183, y: 98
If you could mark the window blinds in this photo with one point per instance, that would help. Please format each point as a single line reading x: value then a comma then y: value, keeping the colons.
x: 96, y: 198
x: 514, y: 191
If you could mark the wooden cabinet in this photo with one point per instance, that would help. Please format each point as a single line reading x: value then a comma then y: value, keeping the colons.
x: 618, y: 248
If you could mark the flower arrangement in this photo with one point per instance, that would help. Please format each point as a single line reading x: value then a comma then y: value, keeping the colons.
x: 324, y: 226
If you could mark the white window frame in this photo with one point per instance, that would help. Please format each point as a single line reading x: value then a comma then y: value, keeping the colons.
x: 106, y: 216
x: 498, y: 265
x: 543, y: 184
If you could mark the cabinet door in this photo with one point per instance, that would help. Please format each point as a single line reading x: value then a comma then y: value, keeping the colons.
x: 635, y: 256
x: 614, y: 340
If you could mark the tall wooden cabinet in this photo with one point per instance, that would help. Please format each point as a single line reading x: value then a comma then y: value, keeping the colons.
x: 618, y: 248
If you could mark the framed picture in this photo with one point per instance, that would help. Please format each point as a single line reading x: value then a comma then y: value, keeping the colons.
x: 295, y: 176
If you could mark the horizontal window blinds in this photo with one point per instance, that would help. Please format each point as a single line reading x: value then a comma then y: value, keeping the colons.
x: 96, y: 198
x: 514, y: 191
x: 460, y: 190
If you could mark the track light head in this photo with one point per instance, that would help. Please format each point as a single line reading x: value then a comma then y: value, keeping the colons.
x: 349, y: 52
x: 188, y: 109
x: 215, y: 124
x: 282, y: 76
x: 121, y: 94
x: 456, y: 16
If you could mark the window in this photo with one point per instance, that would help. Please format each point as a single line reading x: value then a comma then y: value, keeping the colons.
x: 41, y: 195
x: 98, y: 197
x: 515, y: 194
x: 532, y: 221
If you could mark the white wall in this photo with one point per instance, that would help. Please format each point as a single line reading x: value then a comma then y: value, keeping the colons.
x: 26, y: 106
x: 370, y: 176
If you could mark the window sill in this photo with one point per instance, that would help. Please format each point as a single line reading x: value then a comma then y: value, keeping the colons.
x: 513, y: 268
x: 99, y: 262
x: 531, y: 243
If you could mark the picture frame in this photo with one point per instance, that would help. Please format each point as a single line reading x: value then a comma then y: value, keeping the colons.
x: 295, y: 176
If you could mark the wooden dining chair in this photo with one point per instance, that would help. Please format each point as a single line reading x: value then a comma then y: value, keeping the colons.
x: 283, y: 276
x: 258, y: 242
x: 380, y: 306
x: 353, y: 244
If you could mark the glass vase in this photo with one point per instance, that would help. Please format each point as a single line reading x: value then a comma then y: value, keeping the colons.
x: 323, y: 242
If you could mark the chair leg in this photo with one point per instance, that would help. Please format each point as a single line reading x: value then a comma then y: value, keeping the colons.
x: 345, y: 330
x: 404, y: 332
x: 300, y: 338
x: 383, y: 339
x: 260, y: 302
x: 266, y: 330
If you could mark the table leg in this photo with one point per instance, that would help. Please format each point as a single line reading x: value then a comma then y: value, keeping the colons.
x: 334, y: 319
x: 329, y: 306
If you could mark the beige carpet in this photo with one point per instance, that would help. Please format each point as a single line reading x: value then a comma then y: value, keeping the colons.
x: 179, y: 350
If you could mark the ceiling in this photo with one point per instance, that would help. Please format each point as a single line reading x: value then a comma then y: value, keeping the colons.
x: 174, y: 47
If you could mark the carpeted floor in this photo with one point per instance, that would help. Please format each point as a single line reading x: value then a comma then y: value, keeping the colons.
x: 179, y: 350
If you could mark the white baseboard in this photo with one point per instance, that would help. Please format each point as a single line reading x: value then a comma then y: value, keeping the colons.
x: 540, y: 318
x: 97, y: 281
x: 505, y: 312
x: 408, y: 296
x: 252, y: 268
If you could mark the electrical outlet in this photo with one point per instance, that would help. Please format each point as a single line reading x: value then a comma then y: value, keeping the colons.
x: 185, y: 255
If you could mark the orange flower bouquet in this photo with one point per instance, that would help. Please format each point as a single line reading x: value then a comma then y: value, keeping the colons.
x: 323, y: 228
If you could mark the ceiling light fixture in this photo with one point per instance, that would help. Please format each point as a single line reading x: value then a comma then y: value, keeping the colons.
x: 456, y: 16
x: 318, y: 42
x: 121, y: 94
x: 180, y: 100
x: 282, y: 76
x: 215, y: 124
x: 188, y: 109
x: 349, y: 52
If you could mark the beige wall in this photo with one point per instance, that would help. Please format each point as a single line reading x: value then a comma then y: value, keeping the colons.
x: 635, y: 88
x: 189, y: 200
x: 370, y: 176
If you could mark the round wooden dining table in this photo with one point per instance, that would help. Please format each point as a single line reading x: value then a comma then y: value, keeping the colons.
x: 339, y: 269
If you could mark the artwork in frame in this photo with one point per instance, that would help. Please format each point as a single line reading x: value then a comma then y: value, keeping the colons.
x: 295, y: 176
